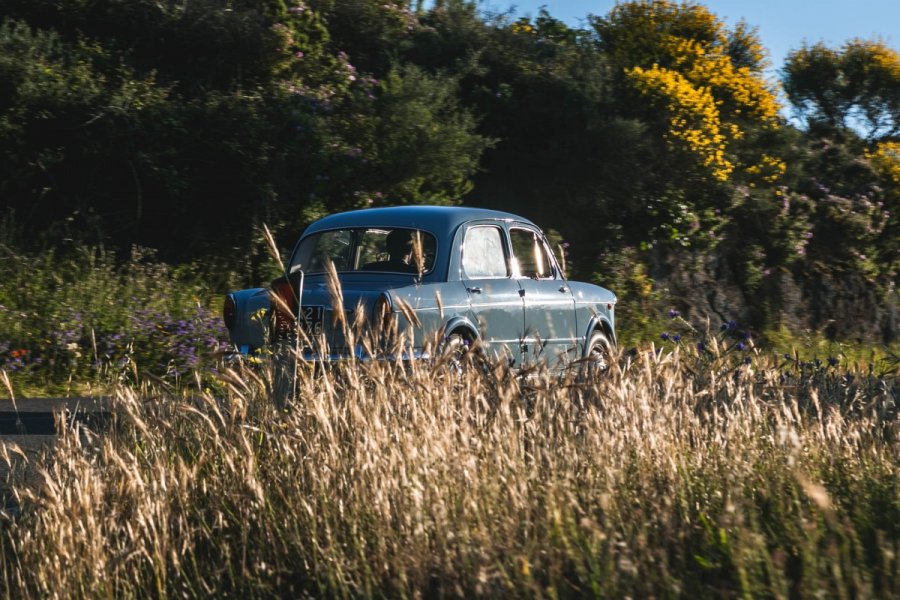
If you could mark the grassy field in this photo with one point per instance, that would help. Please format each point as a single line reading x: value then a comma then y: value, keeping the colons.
x: 699, y: 465
x: 689, y: 471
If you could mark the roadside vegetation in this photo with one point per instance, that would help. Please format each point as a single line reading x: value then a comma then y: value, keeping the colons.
x: 78, y: 320
x: 703, y: 468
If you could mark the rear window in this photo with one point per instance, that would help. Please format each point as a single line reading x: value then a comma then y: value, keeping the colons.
x: 372, y: 249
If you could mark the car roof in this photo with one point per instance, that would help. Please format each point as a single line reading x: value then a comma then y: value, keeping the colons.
x: 440, y: 220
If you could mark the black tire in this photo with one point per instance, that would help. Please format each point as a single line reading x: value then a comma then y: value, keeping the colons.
x: 454, y: 348
x: 456, y: 351
x: 598, y: 354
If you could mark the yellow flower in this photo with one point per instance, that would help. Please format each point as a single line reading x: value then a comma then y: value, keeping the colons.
x: 885, y: 159
x: 768, y: 170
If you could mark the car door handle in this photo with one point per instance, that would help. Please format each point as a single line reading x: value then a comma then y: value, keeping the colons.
x: 473, y: 290
x: 563, y: 289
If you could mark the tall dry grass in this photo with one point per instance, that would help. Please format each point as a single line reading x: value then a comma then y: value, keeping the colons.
x: 673, y: 475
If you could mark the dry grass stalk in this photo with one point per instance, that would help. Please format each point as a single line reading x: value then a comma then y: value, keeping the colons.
x: 666, y: 477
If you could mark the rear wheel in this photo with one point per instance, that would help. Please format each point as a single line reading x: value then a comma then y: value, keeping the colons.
x: 456, y: 351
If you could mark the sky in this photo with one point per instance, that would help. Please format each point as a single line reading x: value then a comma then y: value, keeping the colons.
x: 782, y: 25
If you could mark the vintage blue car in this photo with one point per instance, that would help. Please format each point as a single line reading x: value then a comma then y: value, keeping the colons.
x: 466, y: 277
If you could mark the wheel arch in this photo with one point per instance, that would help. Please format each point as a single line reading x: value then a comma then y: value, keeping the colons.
x: 599, y: 323
x: 461, y: 325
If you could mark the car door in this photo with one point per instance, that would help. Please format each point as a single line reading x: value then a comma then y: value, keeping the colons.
x: 550, y: 327
x: 495, y: 301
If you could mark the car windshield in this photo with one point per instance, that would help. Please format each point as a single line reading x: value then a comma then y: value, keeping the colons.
x: 376, y: 249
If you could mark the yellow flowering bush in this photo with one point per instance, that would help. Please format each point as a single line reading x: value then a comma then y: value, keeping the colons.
x: 876, y: 57
x: 693, y: 118
x: 738, y: 90
x: 707, y: 80
x: 522, y: 26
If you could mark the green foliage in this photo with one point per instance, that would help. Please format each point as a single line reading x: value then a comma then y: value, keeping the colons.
x: 198, y: 112
x: 810, y: 351
x: 640, y: 300
x: 852, y: 206
x: 423, y: 140
x: 74, y: 318
x: 184, y: 126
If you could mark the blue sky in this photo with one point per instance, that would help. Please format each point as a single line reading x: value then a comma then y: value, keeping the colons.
x: 783, y: 25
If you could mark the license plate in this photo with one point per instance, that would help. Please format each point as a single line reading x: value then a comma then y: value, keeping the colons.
x: 312, y: 320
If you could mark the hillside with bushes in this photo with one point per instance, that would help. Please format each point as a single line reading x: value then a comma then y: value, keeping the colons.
x: 650, y: 142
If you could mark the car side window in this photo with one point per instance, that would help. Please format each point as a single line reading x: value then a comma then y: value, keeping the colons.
x: 530, y: 255
x: 483, y: 255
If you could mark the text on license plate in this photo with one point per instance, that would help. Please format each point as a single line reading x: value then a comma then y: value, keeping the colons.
x: 312, y: 319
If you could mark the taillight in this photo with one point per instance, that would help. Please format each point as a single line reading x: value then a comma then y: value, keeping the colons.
x: 229, y: 310
x: 284, y: 305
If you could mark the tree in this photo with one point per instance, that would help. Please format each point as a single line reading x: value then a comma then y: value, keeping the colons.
x: 699, y: 83
x: 178, y: 125
x: 855, y: 85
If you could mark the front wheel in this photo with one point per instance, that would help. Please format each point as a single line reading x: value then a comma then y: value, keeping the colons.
x: 454, y: 350
x: 598, y: 357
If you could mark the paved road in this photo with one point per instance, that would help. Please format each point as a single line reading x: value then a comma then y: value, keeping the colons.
x: 32, y: 405
x: 27, y: 430
x: 37, y: 416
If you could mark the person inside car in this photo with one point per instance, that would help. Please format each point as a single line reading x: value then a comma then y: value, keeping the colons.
x: 400, y: 248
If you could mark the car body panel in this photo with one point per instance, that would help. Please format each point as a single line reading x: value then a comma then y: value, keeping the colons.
x: 594, y: 308
x: 251, y: 327
x: 498, y: 310
x: 550, y: 323
x: 525, y: 319
x: 435, y: 305
x: 496, y: 304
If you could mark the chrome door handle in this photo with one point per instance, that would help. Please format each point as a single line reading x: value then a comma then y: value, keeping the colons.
x: 473, y: 290
x: 563, y: 289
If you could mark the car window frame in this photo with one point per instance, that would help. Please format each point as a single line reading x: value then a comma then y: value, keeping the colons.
x: 554, y: 265
x: 504, y: 245
x: 538, y: 236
